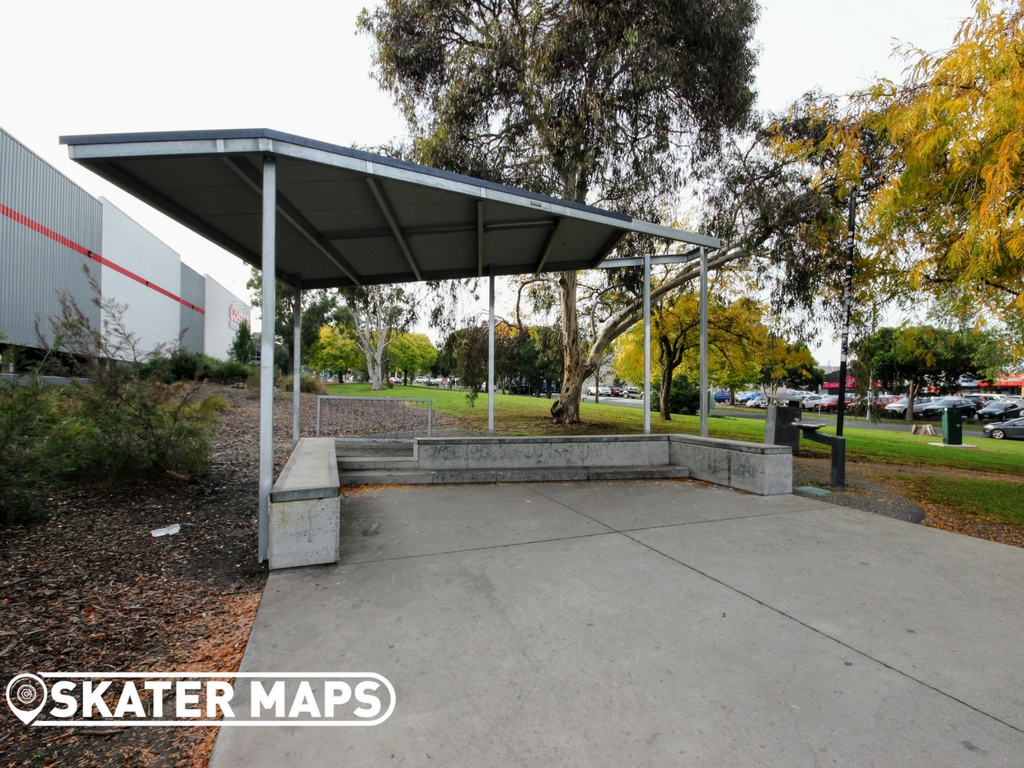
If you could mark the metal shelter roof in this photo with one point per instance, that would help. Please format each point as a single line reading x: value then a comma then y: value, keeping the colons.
x: 347, y: 217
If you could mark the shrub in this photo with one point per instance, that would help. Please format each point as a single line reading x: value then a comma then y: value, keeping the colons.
x: 186, y: 365
x: 29, y: 422
x: 230, y: 371
x: 121, y: 421
x: 307, y: 383
x: 683, y: 397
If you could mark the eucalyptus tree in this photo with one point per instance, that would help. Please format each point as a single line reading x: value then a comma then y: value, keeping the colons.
x: 599, y: 103
x: 380, y: 314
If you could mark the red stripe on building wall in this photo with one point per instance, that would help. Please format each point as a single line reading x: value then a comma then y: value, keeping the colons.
x: 59, y: 238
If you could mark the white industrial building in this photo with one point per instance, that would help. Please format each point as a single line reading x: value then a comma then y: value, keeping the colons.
x: 52, y: 232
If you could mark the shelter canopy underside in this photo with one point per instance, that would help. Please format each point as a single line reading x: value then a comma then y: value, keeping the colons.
x: 347, y: 217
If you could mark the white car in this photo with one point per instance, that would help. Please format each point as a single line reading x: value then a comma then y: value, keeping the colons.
x: 602, y: 390
x: 634, y: 393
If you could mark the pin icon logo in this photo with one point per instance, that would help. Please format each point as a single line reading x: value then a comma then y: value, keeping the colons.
x: 22, y: 692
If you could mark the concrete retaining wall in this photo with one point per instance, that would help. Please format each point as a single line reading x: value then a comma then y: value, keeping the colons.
x: 766, y: 470
x: 463, y: 453
x: 762, y: 469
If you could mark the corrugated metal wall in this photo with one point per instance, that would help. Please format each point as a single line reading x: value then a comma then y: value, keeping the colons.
x: 34, y: 266
x: 193, y: 290
x: 142, y: 280
x: 223, y: 310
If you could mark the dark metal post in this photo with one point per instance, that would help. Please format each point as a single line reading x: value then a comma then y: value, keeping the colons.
x: 847, y: 299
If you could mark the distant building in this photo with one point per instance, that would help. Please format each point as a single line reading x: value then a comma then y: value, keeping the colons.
x: 55, y: 236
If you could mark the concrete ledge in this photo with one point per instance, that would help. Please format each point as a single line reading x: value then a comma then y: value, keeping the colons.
x: 762, y: 469
x: 509, y: 453
x: 766, y: 470
x: 532, y: 475
x: 305, y: 508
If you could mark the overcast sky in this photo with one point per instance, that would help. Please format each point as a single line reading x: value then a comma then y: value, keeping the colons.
x: 104, y: 66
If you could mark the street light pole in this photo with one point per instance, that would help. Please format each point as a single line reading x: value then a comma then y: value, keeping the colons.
x: 847, y: 300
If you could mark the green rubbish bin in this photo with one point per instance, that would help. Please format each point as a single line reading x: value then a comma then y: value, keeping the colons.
x: 952, y: 427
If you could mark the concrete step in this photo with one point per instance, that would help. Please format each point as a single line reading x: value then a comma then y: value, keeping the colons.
x: 534, y: 475
x: 358, y: 463
x: 356, y: 448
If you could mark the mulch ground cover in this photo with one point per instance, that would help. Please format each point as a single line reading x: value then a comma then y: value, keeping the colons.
x: 891, y: 490
x: 91, y: 590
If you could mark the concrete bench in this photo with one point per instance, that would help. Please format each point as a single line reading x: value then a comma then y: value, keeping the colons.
x: 305, y: 508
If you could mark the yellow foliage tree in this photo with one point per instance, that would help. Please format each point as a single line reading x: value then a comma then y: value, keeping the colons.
x: 957, y: 126
x: 675, y: 342
x: 335, y: 350
x: 938, y: 160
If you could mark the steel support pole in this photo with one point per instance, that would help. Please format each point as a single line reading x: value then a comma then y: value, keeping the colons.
x: 490, y: 354
x: 647, y: 344
x: 296, y: 361
x: 267, y: 352
x: 704, y: 342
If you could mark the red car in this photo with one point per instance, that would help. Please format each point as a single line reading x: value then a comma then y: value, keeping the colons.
x: 832, y: 405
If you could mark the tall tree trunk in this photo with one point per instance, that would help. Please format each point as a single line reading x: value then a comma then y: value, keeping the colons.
x: 665, y: 389
x: 908, y: 417
x: 566, y: 409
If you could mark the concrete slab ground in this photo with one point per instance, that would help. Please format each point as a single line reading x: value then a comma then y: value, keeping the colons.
x: 658, y: 623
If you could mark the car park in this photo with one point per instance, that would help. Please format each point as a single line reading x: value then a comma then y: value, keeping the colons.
x: 899, y: 408
x: 883, y: 400
x: 1000, y: 410
x: 1012, y: 429
x: 831, y: 405
x: 823, y: 403
x: 935, y: 408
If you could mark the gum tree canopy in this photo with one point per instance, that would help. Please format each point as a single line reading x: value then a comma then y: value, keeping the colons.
x: 595, y: 102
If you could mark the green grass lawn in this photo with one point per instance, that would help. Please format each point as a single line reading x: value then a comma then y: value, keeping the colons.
x: 996, y: 500
x: 518, y: 415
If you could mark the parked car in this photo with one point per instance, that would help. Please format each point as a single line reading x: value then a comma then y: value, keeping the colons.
x: 803, y: 394
x: 721, y: 396
x: 758, y: 401
x: 883, y: 400
x: 742, y: 397
x: 899, y: 408
x: 1000, y: 410
x: 824, y: 403
x: 634, y: 393
x: 980, y: 401
x: 602, y: 390
x: 618, y: 391
x: 810, y: 401
x: 935, y: 407
x: 1013, y: 429
x: 832, y: 404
